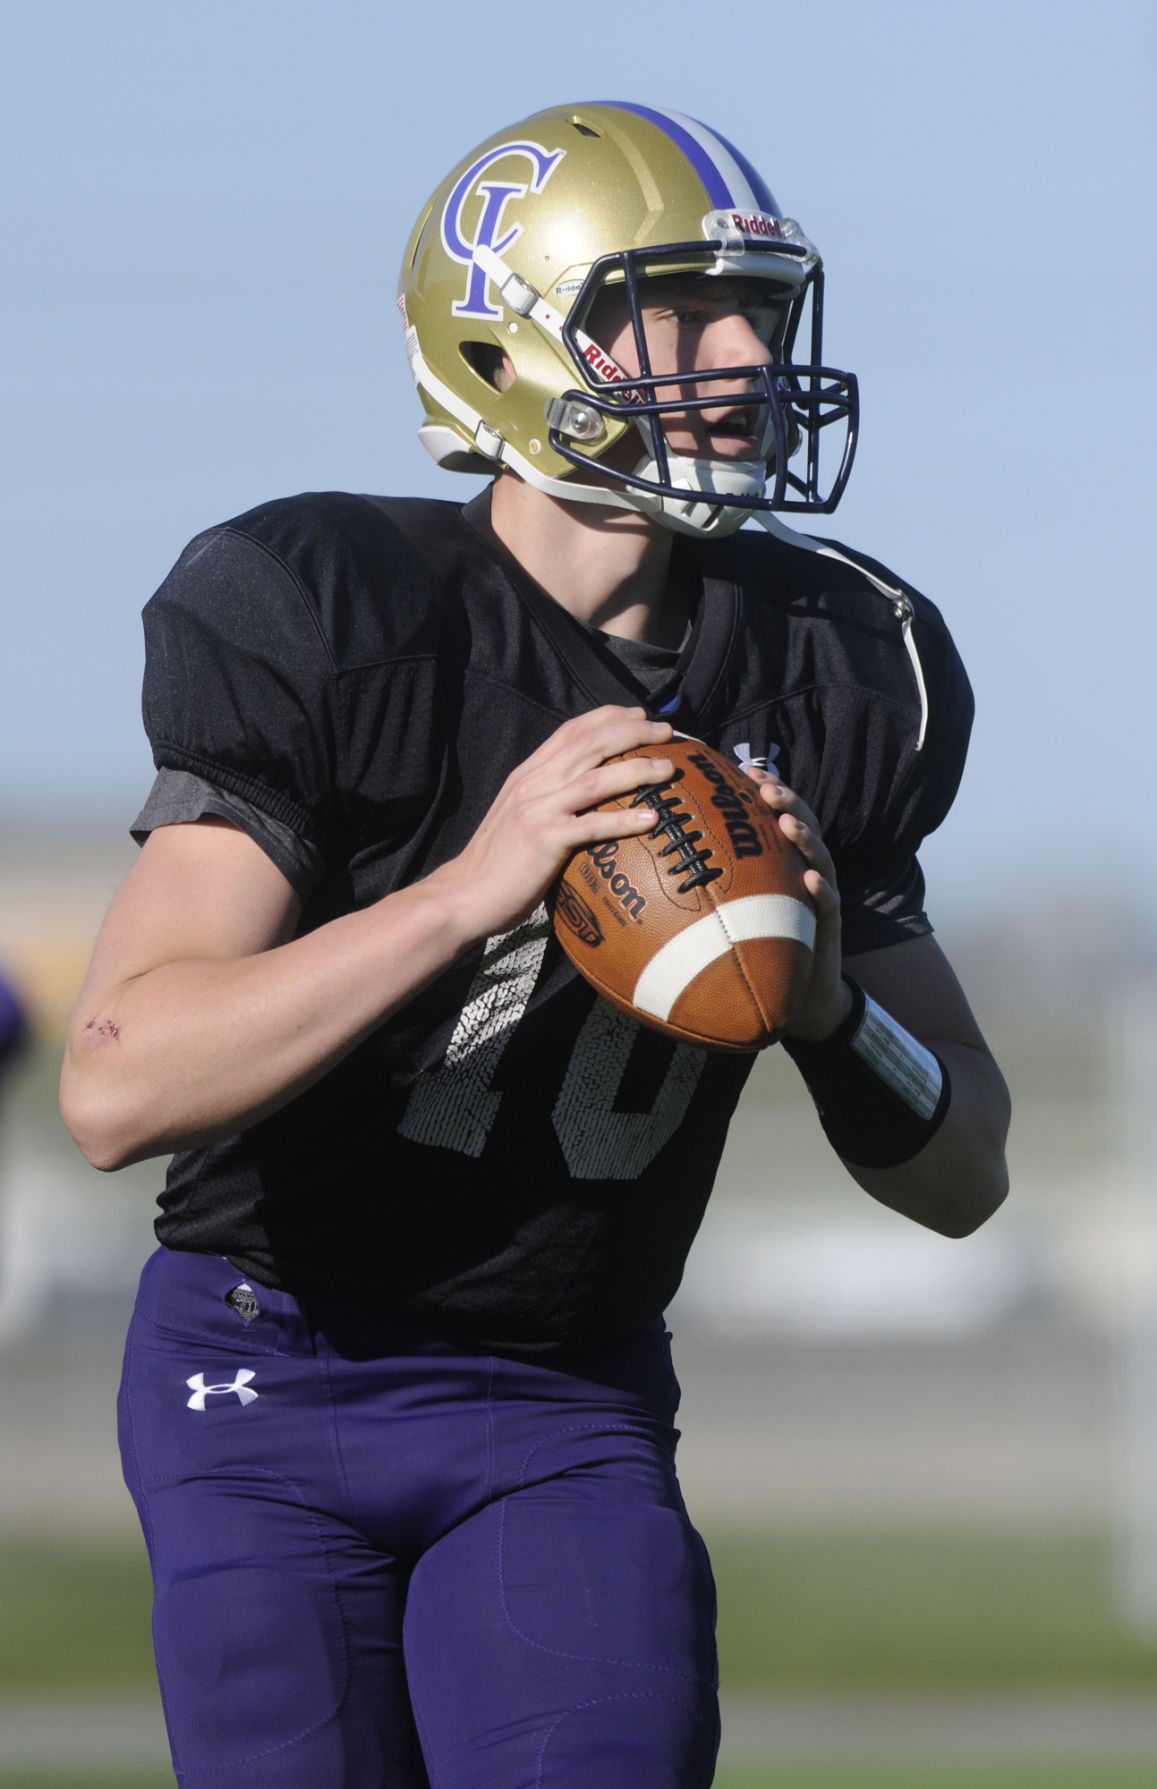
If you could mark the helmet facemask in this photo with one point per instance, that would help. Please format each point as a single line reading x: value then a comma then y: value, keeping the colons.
x: 701, y: 494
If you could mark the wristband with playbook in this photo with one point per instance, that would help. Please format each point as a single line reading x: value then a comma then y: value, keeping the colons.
x: 879, y: 1093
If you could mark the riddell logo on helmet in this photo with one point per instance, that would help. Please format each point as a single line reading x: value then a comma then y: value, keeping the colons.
x: 756, y: 223
x: 604, y: 367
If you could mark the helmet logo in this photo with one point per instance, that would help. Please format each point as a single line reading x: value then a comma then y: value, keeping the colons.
x: 495, y: 195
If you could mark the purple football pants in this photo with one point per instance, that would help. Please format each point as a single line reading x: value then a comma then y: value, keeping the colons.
x: 405, y: 1563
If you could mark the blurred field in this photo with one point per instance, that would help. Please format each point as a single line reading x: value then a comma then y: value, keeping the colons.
x: 821, y: 1634
x: 74, y: 1618
x: 154, y: 1780
x: 900, y: 1775
x: 925, y: 1612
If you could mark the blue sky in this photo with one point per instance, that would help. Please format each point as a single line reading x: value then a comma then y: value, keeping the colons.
x: 202, y: 214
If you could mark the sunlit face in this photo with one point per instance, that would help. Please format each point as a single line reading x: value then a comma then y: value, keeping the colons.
x: 694, y: 323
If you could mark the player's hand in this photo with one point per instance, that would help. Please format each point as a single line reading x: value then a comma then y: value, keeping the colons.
x: 828, y: 1000
x: 543, y: 813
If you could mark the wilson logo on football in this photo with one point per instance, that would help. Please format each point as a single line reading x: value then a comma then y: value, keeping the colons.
x: 578, y: 916
x: 494, y: 196
x: 606, y: 861
x: 745, y: 840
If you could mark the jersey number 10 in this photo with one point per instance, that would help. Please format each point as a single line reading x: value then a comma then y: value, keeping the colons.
x: 454, y: 1106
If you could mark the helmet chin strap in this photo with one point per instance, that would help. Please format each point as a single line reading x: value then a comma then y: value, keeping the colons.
x: 696, y: 514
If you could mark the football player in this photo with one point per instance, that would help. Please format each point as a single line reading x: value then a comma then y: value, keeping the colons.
x: 398, y: 1403
x: 14, y: 1033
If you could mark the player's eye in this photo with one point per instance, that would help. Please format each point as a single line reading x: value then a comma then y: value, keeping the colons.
x: 684, y: 316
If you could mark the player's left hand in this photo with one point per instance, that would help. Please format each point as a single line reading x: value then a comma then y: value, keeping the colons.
x: 828, y: 1000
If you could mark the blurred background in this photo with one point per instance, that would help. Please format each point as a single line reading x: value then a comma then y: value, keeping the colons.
x: 927, y: 1470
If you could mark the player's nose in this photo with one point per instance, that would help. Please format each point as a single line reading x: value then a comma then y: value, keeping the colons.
x: 733, y: 341
x: 737, y: 342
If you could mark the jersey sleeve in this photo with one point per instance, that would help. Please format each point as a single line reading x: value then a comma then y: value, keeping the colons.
x: 907, y: 794
x: 178, y: 798
x: 238, y: 682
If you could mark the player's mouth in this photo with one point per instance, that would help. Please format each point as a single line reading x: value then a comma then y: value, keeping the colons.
x: 734, y: 434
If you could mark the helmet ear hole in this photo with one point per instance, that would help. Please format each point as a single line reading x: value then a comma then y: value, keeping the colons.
x: 488, y: 361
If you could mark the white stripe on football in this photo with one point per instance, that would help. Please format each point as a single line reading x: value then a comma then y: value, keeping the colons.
x: 671, y: 971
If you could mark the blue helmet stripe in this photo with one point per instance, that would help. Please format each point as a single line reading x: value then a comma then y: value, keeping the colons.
x: 719, y: 194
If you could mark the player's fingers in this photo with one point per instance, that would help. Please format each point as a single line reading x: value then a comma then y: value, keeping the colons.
x: 800, y: 825
x: 610, y: 732
x: 586, y: 740
x: 810, y: 846
x: 618, y: 778
x: 560, y: 820
x: 547, y: 844
x: 824, y: 894
x: 785, y: 801
x: 553, y: 819
x: 592, y: 827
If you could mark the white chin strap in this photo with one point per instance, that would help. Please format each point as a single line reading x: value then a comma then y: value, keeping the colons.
x: 696, y: 514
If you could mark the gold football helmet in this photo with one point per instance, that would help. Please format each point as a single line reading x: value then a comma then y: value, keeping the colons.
x: 502, y: 274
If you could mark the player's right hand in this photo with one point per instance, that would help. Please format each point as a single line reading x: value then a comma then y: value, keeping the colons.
x: 545, y: 811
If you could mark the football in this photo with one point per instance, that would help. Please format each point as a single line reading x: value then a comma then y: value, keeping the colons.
x: 701, y: 928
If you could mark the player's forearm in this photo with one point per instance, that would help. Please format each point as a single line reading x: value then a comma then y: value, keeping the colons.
x: 908, y: 1092
x: 199, y: 1018
x: 191, y: 1051
x: 960, y: 1177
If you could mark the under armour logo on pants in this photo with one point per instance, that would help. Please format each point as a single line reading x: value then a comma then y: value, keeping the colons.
x: 239, y: 1387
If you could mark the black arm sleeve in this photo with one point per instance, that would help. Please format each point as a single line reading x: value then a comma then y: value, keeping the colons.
x: 900, y: 795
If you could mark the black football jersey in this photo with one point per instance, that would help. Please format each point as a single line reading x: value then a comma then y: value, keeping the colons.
x: 508, y: 1158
